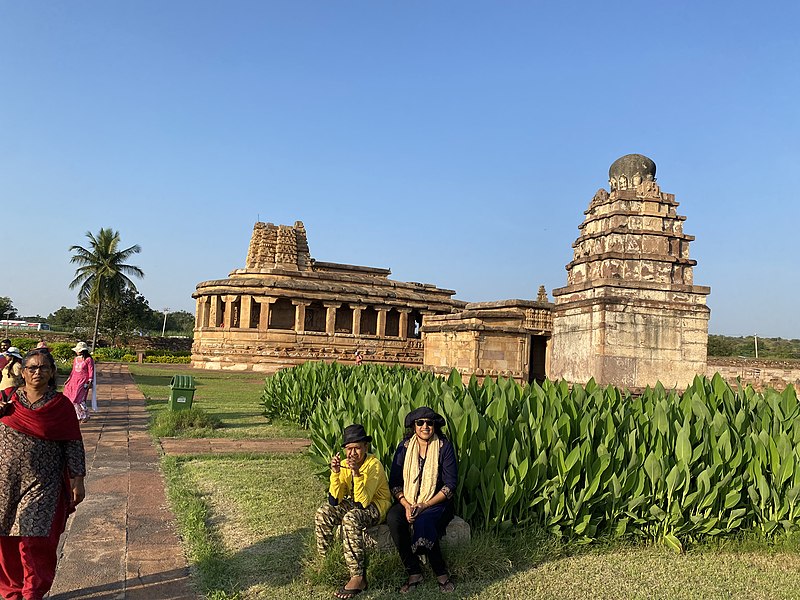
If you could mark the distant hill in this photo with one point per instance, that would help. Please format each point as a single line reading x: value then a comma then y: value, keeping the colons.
x: 768, y: 348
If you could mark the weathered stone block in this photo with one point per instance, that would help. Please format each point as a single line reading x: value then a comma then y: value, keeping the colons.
x: 379, y: 538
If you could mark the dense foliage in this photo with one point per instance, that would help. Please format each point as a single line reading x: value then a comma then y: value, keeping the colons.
x: 128, y: 317
x: 768, y: 348
x: 582, y: 462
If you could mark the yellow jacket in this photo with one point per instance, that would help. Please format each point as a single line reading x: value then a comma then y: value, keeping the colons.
x: 371, y: 487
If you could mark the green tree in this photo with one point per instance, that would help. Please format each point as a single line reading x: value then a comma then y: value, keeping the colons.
x: 130, y: 312
x: 72, y: 319
x: 102, y: 275
x: 6, y: 306
x: 180, y: 322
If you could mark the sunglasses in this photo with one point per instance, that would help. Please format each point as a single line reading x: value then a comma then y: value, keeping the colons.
x: 421, y: 422
x: 34, y: 368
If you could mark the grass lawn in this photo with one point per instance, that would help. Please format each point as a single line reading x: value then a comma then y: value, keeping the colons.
x: 247, y: 524
x: 234, y: 398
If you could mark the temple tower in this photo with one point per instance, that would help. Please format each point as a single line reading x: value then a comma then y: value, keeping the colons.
x: 630, y: 314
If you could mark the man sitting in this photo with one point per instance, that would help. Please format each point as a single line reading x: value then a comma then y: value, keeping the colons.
x: 358, y: 498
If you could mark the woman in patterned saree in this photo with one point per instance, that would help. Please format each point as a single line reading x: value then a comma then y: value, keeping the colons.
x: 423, y: 480
x: 41, y: 478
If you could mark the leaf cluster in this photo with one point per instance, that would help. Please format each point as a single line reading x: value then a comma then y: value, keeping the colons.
x: 581, y: 462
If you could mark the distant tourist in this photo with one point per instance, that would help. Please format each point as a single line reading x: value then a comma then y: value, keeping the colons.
x: 5, y: 345
x: 41, y: 478
x: 358, y: 498
x: 12, y: 369
x: 359, y: 358
x: 81, y: 381
x: 42, y: 345
x: 423, y: 479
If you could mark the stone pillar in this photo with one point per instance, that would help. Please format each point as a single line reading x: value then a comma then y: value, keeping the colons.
x: 212, y: 313
x: 330, y: 316
x: 263, y: 315
x: 403, y: 330
x: 244, y: 312
x: 300, y: 315
x: 229, y: 300
x: 357, y: 308
x: 381, y: 328
x: 198, y: 313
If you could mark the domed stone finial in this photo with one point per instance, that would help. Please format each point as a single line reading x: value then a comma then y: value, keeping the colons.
x: 631, y: 170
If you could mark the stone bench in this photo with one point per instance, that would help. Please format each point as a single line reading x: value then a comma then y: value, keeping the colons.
x: 379, y: 538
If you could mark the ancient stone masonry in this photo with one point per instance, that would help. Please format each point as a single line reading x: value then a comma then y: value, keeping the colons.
x: 284, y: 308
x: 630, y: 314
x: 508, y: 338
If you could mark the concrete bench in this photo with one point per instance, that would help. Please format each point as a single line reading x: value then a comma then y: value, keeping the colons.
x: 379, y: 538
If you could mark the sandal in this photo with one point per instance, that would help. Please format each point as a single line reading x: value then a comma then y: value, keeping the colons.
x: 344, y: 592
x: 410, y: 586
x: 447, y: 586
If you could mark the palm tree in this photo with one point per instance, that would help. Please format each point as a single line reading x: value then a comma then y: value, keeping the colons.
x: 103, y: 274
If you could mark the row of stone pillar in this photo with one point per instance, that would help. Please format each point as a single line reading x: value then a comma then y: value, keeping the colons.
x: 208, y: 309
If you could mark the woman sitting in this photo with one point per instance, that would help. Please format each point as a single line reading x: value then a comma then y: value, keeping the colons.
x: 423, y: 479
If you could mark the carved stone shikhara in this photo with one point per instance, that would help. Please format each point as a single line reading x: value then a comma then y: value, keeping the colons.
x: 630, y: 314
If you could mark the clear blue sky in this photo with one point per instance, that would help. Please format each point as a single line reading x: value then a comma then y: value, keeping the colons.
x: 457, y: 143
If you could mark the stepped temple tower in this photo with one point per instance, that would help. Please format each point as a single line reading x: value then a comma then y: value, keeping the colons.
x: 630, y: 314
x: 284, y: 308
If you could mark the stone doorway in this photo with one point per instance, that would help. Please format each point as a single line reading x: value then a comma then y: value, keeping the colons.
x: 538, y: 359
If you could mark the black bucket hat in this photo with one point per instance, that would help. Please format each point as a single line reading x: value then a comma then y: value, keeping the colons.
x: 355, y: 433
x: 423, y: 412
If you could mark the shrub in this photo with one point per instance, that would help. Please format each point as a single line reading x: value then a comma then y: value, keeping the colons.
x: 585, y: 461
x: 110, y: 353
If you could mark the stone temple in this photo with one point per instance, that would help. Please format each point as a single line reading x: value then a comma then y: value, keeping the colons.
x: 630, y: 314
x: 285, y: 308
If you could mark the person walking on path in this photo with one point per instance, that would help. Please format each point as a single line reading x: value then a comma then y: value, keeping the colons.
x: 358, y: 498
x: 41, y: 478
x: 81, y: 382
x: 10, y: 368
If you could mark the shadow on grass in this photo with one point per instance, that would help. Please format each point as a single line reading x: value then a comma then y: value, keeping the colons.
x: 291, y: 558
x: 154, y: 380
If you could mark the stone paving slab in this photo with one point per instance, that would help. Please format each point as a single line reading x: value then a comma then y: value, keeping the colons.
x: 121, y: 543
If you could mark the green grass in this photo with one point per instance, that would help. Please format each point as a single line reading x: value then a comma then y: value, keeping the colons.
x: 232, y: 398
x: 247, y: 525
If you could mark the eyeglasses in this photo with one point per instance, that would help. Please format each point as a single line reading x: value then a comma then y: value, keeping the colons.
x: 34, y: 368
x: 421, y: 422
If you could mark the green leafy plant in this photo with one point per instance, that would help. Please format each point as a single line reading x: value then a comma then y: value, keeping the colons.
x: 581, y: 461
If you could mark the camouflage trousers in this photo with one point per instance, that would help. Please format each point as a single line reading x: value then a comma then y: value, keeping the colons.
x: 354, y: 522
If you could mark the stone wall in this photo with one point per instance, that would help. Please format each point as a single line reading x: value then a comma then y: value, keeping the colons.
x: 497, y: 339
x: 760, y: 374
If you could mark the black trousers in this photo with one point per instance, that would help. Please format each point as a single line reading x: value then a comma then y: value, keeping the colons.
x: 400, y: 530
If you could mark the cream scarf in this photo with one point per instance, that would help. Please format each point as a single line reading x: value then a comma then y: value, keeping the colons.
x: 418, y: 489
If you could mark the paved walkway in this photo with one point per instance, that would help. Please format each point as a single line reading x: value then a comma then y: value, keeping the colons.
x: 121, y: 542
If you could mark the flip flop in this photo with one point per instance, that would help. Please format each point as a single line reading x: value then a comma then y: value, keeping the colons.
x: 346, y: 593
x: 410, y: 586
x: 447, y: 586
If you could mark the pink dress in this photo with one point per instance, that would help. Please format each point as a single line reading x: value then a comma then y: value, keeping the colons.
x: 76, y: 388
